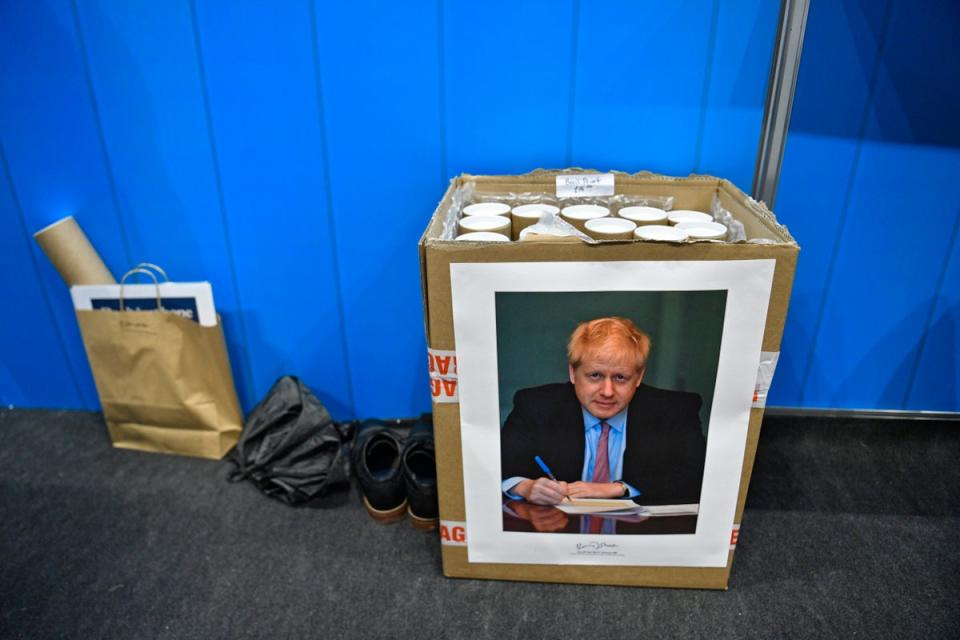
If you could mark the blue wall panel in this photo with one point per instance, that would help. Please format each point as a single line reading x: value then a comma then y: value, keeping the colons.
x: 936, y: 384
x: 55, y: 158
x: 31, y: 347
x: 813, y: 187
x: 380, y: 77
x: 640, y: 84
x: 840, y: 56
x: 917, y: 98
x: 290, y: 153
x: 743, y: 36
x: 151, y: 96
x: 924, y: 109
x: 870, y: 149
x: 902, y: 210
x: 266, y: 119
x: 507, y: 85
x: 895, y: 241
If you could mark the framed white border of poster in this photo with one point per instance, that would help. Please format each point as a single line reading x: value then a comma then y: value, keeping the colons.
x: 474, y: 286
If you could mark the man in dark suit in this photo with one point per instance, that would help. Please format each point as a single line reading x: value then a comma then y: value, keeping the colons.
x: 605, y: 434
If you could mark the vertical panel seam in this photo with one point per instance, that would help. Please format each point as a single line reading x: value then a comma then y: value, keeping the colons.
x: 848, y: 196
x: 442, y: 92
x: 101, y: 135
x: 572, y: 97
x: 36, y: 268
x: 707, y: 80
x: 221, y: 200
x: 331, y: 223
x: 914, y: 370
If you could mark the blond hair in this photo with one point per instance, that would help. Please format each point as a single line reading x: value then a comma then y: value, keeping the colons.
x: 592, y: 336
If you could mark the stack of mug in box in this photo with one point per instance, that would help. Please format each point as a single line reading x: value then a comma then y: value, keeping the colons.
x: 613, y: 218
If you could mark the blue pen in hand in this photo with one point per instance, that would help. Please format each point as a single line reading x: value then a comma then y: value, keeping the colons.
x: 546, y: 470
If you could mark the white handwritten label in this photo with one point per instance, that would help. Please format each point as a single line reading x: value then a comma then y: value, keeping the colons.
x: 570, y: 185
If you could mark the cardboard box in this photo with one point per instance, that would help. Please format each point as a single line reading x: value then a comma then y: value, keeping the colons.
x: 497, y: 316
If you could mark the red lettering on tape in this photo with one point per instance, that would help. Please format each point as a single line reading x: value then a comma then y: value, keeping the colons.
x: 450, y: 388
x: 443, y: 390
x: 443, y: 375
x: 443, y: 364
x: 453, y: 533
x: 734, y: 536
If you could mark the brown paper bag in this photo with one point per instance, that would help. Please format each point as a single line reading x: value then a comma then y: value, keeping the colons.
x: 164, y: 382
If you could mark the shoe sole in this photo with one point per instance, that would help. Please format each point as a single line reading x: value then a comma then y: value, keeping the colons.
x: 424, y: 524
x: 386, y: 516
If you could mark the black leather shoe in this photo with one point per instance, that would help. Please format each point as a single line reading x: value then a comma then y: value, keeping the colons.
x: 376, y: 463
x: 419, y: 465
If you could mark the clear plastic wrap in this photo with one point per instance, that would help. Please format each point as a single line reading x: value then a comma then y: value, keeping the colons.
x: 614, y: 203
x: 553, y: 225
x: 452, y: 216
x: 623, y: 200
x: 735, y: 230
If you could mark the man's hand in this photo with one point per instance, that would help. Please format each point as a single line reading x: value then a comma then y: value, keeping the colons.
x: 542, y: 491
x: 595, y: 490
x: 541, y: 517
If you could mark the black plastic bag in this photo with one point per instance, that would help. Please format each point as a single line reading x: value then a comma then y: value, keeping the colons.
x: 290, y: 446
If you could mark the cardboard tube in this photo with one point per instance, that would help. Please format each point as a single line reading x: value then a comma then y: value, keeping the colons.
x: 71, y: 253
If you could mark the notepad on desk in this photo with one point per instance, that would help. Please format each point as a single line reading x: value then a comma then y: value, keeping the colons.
x: 610, y: 507
x: 599, y: 505
x: 673, y: 509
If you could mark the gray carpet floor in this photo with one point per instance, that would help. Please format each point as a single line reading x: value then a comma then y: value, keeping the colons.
x: 852, y: 529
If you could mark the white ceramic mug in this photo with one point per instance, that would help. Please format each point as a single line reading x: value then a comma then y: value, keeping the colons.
x: 688, y: 215
x: 487, y: 209
x: 482, y: 236
x: 660, y: 233
x: 644, y: 215
x: 578, y: 214
x: 703, y: 230
x: 610, y: 228
x: 496, y: 224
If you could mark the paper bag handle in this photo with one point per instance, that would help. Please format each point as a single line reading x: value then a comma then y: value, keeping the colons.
x: 156, y: 283
x: 153, y: 267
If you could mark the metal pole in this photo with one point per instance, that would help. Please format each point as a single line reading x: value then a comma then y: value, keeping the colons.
x: 780, y: 90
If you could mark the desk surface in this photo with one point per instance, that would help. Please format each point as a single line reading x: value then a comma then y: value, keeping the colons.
x: 525, y: 516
